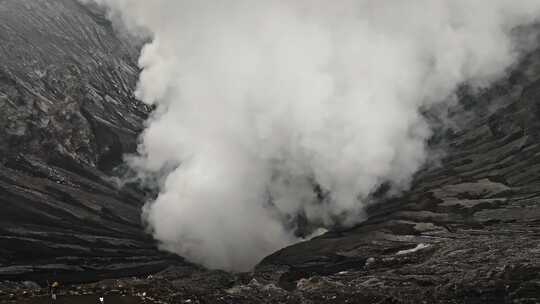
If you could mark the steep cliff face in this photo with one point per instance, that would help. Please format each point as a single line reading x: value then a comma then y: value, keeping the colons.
x: 67, y: 117
x: 467, y: 232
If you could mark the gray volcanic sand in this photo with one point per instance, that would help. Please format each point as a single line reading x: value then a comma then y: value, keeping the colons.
x: 86, y: 299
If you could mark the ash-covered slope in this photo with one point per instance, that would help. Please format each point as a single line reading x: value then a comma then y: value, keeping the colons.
x: 67, y: 116
x: 467, y: 232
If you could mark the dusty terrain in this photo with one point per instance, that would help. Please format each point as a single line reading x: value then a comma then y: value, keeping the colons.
x: 468, y: 231
x: 67, y: 116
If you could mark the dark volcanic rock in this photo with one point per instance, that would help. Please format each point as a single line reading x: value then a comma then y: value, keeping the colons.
x: 467, y: 232
x: 67, y: 117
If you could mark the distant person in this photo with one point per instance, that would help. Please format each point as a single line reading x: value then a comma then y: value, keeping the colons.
x: 101, y: 300
x: 54, y: 290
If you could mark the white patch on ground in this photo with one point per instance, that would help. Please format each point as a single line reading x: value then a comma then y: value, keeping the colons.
x: 418, y: 247
x: 316, y: 233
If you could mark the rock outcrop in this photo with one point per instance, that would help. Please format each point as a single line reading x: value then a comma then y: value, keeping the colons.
x: 67, y: 117
x: 468, y: 230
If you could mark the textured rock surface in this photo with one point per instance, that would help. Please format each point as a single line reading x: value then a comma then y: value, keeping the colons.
x: 67, y: 115
x: 467, y: 232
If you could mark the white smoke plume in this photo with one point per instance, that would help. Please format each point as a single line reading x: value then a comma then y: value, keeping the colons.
x: 259, y: 101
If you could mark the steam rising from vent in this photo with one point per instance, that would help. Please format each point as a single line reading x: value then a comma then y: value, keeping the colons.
x: 268, y: 111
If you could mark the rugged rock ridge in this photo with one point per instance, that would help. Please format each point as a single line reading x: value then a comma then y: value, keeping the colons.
x: 67, y: 116
x: 467, y: 232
